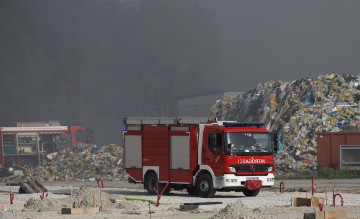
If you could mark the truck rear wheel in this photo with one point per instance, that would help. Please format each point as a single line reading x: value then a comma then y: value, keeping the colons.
x: 204, y: 186
x: 151, y: 181
x: 251, y: 192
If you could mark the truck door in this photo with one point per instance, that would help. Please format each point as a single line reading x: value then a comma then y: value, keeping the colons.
x: 213, y: 150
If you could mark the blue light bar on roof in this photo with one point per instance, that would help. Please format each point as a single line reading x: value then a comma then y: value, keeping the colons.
x: 243, y: 124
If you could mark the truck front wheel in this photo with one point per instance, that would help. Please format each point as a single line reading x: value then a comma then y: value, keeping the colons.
x: 192, y: 191
x: 204, y: 186
x: 251, y: 192
x: 151, y: 182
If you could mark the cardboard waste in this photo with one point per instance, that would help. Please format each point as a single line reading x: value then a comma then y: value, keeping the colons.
x: 81, y: 163
x: 296, y: 111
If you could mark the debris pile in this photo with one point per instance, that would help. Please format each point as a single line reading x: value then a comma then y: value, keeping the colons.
x: 296, y: 111
x: 84, y: 197
x: 237, y: 210
x: 37, y: 205
x: 78, y: 163
x: 91, y: 197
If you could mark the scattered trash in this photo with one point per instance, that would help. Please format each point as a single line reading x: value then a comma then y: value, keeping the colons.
x: 77, y: 163
x: 87, y: 198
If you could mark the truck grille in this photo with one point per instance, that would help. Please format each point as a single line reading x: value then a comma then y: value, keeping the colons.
x: 251, y: 168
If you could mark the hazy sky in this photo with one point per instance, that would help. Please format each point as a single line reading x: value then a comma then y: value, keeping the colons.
x: 286, y: 40
x: 95, y: 62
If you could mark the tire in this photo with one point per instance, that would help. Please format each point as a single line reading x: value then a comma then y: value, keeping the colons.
x: 192, y: 191
x: 204, y: 186
x: 151, y: 181
x: 251, y: 192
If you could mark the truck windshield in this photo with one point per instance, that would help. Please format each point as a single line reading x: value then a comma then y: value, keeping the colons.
x: 240, y: 143
x: 84, y: 136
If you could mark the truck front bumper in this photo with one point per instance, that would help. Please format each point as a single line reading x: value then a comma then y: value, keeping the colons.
x: 233, y: 181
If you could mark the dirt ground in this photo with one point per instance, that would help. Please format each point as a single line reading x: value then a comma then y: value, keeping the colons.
x: 121, y: 199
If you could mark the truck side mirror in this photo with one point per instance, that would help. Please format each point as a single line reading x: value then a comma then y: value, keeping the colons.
x: 274, y: 142
x: 229, y: 146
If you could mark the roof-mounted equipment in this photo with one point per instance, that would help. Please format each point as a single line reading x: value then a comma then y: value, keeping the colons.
x: 243, y: 124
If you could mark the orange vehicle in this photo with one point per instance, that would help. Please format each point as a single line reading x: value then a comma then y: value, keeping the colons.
x: 27, y: 143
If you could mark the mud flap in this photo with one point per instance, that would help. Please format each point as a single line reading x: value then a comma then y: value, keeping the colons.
x: 253, y: 184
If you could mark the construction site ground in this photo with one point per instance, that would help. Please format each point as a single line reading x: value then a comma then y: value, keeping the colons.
x: 119, y: 199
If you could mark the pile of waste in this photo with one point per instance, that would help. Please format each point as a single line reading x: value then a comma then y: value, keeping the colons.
x: 87, y: 162
x: 84, y: 197
x: 296, y: 111
x: 91, y: 197
x: 37, y: 205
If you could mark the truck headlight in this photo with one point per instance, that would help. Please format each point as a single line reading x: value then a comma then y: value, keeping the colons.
x: 270, y: 169
x: 232, y: 169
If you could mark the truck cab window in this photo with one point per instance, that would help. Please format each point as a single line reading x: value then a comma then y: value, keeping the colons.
x: 215, y: 141
x: 239, y: 143
x: 84, y: 136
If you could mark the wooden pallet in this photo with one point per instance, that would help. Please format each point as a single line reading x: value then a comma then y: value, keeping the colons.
x: 327, y: 214
x: 298, y: 202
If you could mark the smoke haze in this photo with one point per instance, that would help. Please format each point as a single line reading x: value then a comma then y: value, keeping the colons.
x: 95, y: 62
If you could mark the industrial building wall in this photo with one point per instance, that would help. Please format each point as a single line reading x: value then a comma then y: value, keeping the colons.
x: 328, y: 146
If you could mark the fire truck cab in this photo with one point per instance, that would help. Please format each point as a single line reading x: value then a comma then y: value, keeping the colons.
x: 198, y: 154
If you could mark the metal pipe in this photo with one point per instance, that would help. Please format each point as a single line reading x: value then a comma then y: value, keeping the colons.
x: 11, y: 195
x: 341, y: 198
x: 282, y: 187
x: 312, y: 186
x: 12, y: 198
x: 159, y: 195
x: 100, y: 183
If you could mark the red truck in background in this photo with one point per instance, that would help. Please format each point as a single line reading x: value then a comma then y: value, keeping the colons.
x: 26, y: 144
x: 198, y: 154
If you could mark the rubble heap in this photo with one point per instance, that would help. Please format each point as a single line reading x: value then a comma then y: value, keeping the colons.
x: 37, y: 205
x: 296, y: 111
x: 91, y: 197
x: 84, y: 197
x: 79, y: 163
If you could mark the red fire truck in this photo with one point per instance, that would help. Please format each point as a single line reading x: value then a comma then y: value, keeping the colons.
x: 26, y: 144
x: 198, y: 154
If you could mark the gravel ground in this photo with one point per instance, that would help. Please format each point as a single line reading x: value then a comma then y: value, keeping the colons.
x: 268, y: 204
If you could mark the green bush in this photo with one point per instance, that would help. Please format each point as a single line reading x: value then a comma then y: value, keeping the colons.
x: 329, y: 173
x: 323, y: 173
